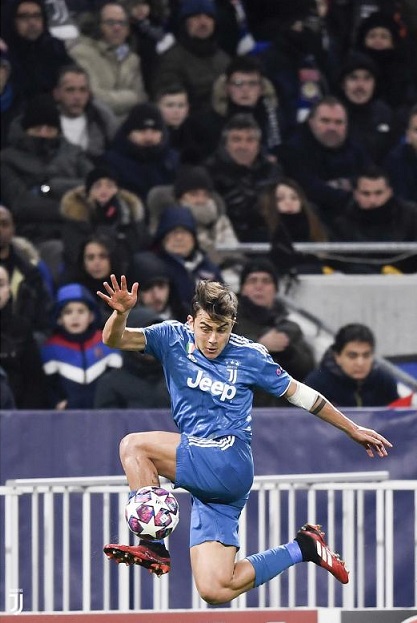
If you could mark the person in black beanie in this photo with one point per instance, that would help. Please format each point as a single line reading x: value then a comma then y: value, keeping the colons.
x: 37, y: 168
x: 264, y: 318
x: 379, y: 37
x: 140, y: 153
x: 371, y: 120
x: 101, y: 206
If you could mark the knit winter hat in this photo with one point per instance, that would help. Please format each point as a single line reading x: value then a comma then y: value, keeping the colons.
x: 143, y: 117
x: 258, y: 265
x: 378, y: 19
x: 172, y: 217
x: 357, y: 60
x: 71, y: 293
x: 191, y: 178
x: 99, y: 173
x: 196, y: 7
x: 41, y: 110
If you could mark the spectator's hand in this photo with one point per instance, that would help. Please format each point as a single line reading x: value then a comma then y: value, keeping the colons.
x: 60, y: 406
x: 274, y: 340
x: 119, y: 298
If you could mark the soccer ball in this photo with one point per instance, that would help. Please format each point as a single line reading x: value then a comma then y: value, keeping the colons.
x: 152, y: 513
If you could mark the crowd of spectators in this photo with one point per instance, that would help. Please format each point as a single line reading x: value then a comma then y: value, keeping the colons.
x: 150, y: 137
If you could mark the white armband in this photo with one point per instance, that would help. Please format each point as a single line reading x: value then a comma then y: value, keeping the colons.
x: 304, y: 396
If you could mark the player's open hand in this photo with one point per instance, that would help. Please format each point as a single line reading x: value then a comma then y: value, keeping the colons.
x: 372, y: 441
x: 118, y: 296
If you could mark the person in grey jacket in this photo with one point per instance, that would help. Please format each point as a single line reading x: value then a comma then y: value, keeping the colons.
x: 37, y: 168
x: 86, y: 121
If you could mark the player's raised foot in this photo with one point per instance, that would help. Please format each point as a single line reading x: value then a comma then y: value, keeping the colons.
x: 153, y: 556
x: 314, y: 548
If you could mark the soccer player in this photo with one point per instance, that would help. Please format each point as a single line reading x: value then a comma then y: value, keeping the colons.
x: 210, y: 373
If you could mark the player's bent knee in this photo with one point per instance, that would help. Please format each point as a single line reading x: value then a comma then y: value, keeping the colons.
x: 130, y: 444
x: 213, y: 593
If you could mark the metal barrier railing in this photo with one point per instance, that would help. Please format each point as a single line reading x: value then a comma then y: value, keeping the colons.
x: 54, y: 530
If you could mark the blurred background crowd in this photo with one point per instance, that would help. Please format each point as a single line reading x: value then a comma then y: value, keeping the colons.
x: 152, y: 137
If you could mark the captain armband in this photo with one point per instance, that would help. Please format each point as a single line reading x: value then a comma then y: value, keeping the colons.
x: 306, y: 397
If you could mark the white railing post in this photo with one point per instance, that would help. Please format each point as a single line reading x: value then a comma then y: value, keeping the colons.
x: 352, y: 496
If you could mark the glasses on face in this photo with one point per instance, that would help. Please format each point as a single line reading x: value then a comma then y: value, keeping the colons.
x: 25, y: 17
x: 115, y: 22
x: 244, y: 83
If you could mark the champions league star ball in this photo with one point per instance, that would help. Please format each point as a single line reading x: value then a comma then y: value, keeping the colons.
x: 152, y: 513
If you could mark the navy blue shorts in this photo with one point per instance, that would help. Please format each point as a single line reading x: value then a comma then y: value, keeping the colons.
x: 219, y: 475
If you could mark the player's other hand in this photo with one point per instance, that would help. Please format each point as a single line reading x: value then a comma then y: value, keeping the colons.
x: 118, y: 296
x: 372, y: 441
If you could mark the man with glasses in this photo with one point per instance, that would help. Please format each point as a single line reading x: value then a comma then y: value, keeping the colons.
x: 114, y: 70
x: 241, y: 89
x: 34, y: 54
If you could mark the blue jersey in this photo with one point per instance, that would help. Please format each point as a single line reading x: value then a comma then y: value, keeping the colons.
x: 213, y: 397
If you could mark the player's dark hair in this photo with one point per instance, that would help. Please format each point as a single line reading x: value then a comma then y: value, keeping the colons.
x: 216, y: 299
x: 354, y: 332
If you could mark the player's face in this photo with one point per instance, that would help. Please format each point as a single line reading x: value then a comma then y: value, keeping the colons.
x: 287, y: 200
x: 329, y: 125
x: 97, y: 260
x: 356, y: 360
x: 174, y: 108
x: 359, y: 86
x: 76, y: 317
x: 370, y: 194
x: 72, y: 94
x: 211, y: 336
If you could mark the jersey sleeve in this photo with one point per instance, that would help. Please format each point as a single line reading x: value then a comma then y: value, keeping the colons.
x: 268, y: 374
x: 160, y: 338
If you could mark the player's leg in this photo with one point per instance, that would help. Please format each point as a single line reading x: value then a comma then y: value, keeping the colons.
x: 219, y: 578
x: 146, y: 456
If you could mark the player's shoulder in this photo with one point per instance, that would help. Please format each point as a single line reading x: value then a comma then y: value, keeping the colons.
x: 246, y: 347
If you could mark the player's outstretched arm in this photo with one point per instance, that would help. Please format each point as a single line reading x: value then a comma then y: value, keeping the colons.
x: 118, y: 297
x: 307, y: 398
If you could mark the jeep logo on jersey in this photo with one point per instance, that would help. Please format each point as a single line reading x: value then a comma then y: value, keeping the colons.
x: 216, y: 388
